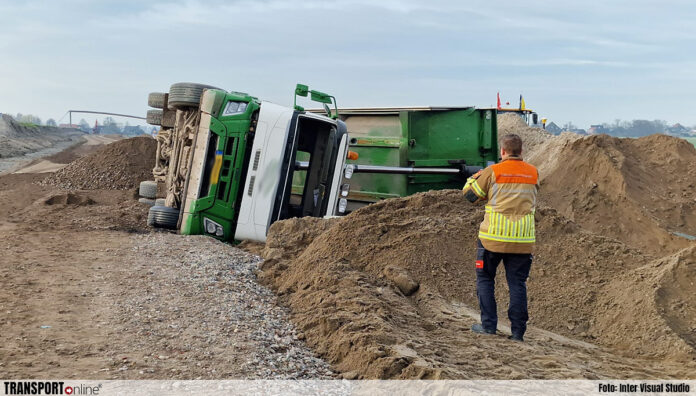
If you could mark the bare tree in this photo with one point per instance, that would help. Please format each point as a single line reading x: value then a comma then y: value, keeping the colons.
x: 84, y: 126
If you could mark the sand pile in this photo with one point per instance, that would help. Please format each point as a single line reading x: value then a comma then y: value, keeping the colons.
x: 636, y: 190
x: 381, y: 293
x: 118, y: 166
x: 532, y: 138
x: 389, y: 291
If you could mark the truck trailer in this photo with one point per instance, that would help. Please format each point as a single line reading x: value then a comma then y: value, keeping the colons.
x: 405, y: 150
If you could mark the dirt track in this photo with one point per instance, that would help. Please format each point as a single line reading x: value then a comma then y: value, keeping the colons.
x: 86, y: 291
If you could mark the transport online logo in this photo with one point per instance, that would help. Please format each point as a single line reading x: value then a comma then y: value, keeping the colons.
x: 48, y: 388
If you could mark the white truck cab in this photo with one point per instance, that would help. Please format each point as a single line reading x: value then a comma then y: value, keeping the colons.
x: 281, y: 133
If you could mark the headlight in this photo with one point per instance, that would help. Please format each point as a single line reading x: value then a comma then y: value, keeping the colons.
x: 349, y: 171
x: 233, y: 108
x: 342, y: 205
x: 345, y: 189
x: 212, y: 227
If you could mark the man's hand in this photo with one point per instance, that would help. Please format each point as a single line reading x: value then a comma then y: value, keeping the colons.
x: 472, y: 192
x: 469, y: 181
x: 468, y: 192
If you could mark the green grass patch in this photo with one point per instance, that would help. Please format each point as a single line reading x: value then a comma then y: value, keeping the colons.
x: 28, y: 124
x: 691, y: 140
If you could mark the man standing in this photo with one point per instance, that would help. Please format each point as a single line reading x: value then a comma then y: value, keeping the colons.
x: 506, y: 233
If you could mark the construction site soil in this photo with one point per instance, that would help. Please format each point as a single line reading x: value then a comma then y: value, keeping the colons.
x: 385, y: 292
x: 87, y: 290
x: 389, y: 291
x: 118, y: 166
x: 17, y: 139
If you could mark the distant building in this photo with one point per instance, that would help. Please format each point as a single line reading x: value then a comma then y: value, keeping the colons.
x: 678, y: 130
x: 597, y: 129
x: 553, y: 129
x: 69, y: 126
x: 132, y: 130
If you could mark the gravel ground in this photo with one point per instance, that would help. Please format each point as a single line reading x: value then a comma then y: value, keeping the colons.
x: 191, y: 307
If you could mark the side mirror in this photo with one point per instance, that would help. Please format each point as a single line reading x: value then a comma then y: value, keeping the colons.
x: 320, y: 97
x: 316, y: 96
x: 302, y: 90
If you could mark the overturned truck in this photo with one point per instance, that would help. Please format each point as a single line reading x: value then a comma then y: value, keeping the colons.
x: 226, y: 161
x: 229, y: 165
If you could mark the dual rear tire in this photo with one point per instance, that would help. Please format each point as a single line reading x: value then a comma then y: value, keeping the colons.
x: 148, y: 189
x: 163, y: 217
x: 183, y: 96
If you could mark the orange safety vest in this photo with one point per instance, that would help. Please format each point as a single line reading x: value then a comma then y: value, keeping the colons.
x: 510, y: 188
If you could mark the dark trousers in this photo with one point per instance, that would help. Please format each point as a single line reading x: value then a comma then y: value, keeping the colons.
x: 517, y: 268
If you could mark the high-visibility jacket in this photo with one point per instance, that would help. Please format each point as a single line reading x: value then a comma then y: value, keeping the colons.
x: 510, y: 191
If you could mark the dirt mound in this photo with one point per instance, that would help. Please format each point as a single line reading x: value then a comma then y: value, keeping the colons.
x: 655, y: 305
x: 117, y: 166
x: 675, y: 297
x: 636, y: 190
x: 17, y: 139
x: 532, y: 138
x: 68, y: 199
x: 344, y: 280
x: 81, y: 210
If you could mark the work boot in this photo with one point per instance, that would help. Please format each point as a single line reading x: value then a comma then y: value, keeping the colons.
x: 516, y: 338
x: 478, y: 329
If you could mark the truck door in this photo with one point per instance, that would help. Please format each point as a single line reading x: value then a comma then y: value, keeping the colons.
x: 267, y: 196
x: 321, y: 141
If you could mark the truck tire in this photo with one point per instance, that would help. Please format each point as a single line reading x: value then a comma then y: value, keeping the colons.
x: 163, y: 217
x: 154, y: 117
x: 147, y: 201
x: 186, y: 95
x: 156, y: 100
x: 148, y: 189
x: 160, y: 202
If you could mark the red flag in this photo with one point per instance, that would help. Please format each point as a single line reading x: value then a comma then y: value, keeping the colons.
x: 499, y: 107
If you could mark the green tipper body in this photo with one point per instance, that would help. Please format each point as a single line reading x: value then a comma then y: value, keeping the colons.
x: 417, y: 137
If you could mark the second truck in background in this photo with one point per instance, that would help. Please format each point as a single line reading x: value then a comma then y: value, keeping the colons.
x: 417, y: 148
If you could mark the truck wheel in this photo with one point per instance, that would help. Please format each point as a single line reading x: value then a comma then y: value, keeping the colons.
x: 185, y: 95
x: 147, y: 201
x: 156, y: 100
x: 154, y: 117
x: 163, y: 217
x: 160, y: 202
x: 148, y: 189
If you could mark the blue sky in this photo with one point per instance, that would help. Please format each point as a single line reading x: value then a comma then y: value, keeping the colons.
x: 572, y: 61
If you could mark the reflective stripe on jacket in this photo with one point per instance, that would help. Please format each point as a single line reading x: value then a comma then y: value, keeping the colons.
x: 510, y: 189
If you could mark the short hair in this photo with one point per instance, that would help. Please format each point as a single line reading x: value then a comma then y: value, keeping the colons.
x: 512, y: 144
